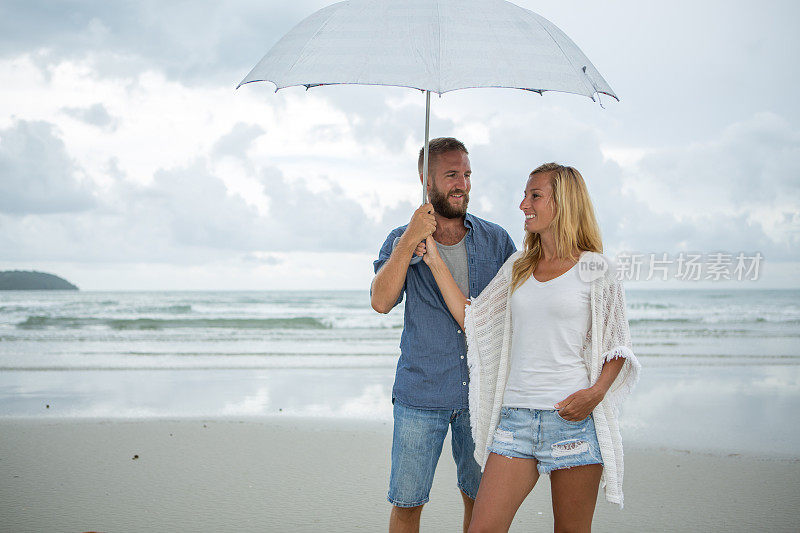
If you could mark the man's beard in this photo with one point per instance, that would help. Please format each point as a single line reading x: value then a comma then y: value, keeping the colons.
x: 443, y: 207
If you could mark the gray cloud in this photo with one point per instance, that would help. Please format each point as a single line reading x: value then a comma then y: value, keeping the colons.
x: 756, y: 160
x: 737, y: 63
x: 96, y: 115
x: 202, y: 42
x: 723, y: 69
x: 186, y: 216
x: 194, y: 208
x: 238, y: 140
x: 749, y: 166
x: 36, y: 173
x: 640, y: 229
x: 112, y: 169
x: 268, y: 259
x: 373, y: 121
x: 684, y: 70
x: 519, y: 144
x: 302, y: 218
x: 730, y: 182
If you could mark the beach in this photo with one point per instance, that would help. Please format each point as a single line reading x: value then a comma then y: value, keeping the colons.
x: 187, y: 336
x: 271, y: 411
x: 321, y: 475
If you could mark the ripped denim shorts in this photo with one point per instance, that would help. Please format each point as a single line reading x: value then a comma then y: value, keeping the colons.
x: 543, y: 435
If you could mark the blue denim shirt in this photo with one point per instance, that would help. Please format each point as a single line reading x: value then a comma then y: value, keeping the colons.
x: 432, y: 370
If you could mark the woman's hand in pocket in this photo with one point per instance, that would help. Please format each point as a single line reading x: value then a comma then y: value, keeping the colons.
x: 578, y: 405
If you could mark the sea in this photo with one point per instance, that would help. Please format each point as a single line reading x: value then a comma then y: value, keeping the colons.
x: 721, y: 368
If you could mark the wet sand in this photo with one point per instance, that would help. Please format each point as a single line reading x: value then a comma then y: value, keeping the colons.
x: 274, y: 474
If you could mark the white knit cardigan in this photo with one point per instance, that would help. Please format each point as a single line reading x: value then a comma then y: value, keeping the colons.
x: 487, y: 324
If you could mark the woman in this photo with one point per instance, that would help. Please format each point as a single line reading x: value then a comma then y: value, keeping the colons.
x: 550, y: 360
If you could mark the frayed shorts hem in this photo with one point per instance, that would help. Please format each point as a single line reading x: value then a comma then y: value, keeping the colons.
x: 547, y: 469
x: 544, y: 469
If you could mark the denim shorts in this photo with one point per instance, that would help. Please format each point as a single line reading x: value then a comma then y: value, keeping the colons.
x: 416, y: 446
x: 543, y: 435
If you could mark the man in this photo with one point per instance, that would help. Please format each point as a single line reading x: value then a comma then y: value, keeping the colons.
x: 431, y: 383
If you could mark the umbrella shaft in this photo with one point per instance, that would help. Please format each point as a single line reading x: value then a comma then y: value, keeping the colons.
x: 425, y: 149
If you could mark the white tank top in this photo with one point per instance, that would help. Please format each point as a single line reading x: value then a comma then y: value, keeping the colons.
x: 550, y: 321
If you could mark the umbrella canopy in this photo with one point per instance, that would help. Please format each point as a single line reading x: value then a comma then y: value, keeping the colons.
x: 431, y: 45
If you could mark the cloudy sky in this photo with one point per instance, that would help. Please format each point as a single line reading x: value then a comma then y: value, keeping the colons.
x: 128, y: 160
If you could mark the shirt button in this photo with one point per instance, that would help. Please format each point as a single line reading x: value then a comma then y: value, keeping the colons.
x: 463, y: 382
x: 459, y: 331
x: 462, y: 357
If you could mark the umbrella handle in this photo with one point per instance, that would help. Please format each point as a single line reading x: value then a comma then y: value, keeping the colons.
x: 414, y: 258
x: 417, y: 258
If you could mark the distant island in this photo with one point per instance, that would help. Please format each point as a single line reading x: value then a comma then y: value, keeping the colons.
x: 20, y: 280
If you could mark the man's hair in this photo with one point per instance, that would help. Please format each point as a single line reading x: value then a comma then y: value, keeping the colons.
x: 436, y: 147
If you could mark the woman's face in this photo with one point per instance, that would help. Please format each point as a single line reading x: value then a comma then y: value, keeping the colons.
x: 538, y: 205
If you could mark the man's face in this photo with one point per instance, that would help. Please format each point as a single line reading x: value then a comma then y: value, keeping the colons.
x: 449, y: 185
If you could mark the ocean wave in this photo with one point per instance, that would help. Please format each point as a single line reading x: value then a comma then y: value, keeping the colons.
x: 755, y: 357
x: 715, y: 319
x: 177, y: 309
x: 686, y: 333
x: 670, y: 320
x: 360, y: 321
x: 41, y: 322
x: 647, y: 305
x: 121, y: 362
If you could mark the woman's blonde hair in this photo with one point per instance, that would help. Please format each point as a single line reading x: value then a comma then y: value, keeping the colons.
x: 574, y: 223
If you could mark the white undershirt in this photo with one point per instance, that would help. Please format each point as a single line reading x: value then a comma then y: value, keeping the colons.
x: 550, y: 321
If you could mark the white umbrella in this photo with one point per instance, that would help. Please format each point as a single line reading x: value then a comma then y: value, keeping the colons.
x: 432, y: 45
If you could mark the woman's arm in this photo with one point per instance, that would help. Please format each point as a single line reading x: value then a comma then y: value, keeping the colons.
x: 579, y: 405
x: 453, y: 297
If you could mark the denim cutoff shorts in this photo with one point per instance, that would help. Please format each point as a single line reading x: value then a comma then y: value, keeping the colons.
x: 543, y: 435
